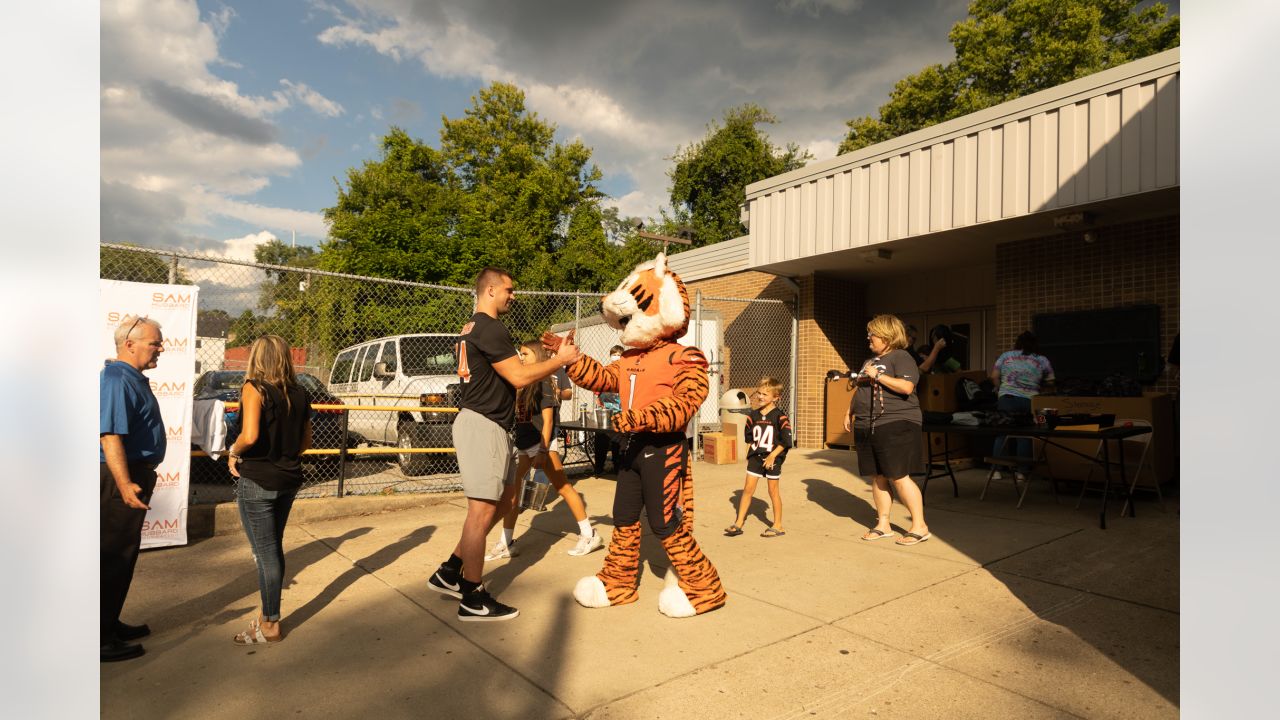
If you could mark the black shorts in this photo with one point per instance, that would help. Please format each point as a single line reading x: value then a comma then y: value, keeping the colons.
x: 894, y: 450
x: 755, y: 466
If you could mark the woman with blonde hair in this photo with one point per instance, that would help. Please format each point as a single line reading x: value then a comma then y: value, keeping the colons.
x: 536, y: 406
x: 885, y: 418
x: 266, y: 457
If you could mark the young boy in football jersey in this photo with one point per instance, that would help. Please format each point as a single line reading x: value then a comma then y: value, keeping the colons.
x: 768, y: 433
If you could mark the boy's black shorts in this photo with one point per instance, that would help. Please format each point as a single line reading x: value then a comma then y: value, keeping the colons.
x: 755, y: 466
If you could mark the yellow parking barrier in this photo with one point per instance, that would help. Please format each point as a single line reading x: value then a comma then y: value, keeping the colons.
x: 344, y: 451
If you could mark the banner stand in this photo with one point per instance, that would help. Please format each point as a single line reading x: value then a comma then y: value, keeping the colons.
x: 172, y: 381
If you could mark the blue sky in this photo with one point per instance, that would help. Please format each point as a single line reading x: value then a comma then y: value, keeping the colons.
x: 224, y: 124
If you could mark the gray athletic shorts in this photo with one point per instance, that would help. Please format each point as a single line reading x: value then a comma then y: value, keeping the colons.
x: 485, y: 455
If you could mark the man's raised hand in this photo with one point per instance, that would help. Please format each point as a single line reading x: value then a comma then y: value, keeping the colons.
x: 567, y: 353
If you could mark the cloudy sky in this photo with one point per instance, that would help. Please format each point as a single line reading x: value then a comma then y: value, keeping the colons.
x: 225, y: 124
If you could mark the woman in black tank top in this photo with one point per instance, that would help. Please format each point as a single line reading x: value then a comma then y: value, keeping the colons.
x: 267, y: 458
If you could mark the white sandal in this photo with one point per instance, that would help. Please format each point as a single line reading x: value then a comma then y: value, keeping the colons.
x: 254, y: 636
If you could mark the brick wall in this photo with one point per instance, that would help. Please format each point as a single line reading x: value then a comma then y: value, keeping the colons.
x: 1130, y: 264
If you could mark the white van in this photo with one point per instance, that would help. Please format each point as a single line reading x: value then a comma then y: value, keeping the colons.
x: 402, y: 370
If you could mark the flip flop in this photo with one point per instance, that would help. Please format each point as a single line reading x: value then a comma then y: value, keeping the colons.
x: 732, y: 531
x: 913, y: 539
x: 773, y: 532
x: 877, y: 534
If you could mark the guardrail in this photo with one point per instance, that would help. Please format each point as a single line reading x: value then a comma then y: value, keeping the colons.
x: 344, y: 451
x: 577, y: 450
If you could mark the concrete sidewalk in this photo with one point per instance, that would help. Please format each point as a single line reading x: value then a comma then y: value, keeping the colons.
x: 1004, y: 613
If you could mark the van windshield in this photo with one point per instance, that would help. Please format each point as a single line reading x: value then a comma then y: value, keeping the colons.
x: 428, y: 355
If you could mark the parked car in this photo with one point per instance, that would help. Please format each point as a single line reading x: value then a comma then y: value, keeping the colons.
x: 410, y: 371
x: 225, y: 385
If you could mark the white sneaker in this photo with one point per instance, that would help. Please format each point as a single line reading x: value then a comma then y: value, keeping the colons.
x: 1020, y: 477
x: 996, y: 475
x: 500, y: 550
x: 587, y: 544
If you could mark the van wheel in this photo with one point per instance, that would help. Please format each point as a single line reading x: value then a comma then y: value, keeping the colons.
x: 411, y: 436
x: 441, y: 436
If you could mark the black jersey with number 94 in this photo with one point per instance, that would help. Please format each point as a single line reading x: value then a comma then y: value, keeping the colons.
x: 766, y: 432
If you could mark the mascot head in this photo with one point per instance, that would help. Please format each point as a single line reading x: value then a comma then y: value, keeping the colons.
x: 650, y: 305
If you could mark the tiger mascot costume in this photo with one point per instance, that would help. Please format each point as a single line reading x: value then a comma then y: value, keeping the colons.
x: 662, y: 384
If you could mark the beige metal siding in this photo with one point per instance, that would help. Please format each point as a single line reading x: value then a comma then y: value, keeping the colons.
x: 723, y: 258
x: 1101, y: 137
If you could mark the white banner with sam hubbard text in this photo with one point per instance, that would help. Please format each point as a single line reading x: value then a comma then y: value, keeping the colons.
x: 174, y: 307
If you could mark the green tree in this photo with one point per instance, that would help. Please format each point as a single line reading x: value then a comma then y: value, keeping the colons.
x: 499, y: 191
x: 1009, y: 48
x: 143, y: 267
x: 395, y: 216
x: 709, y: 179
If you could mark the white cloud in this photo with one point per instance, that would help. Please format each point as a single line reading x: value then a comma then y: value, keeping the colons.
x: 230, y: 277
x: 221, y: 19
x: 312, y: 99
x: 637, y: 203
x: 822, y: 148
x: 177, y: 133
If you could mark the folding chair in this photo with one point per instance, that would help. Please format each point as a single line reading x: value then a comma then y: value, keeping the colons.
x: 1011, y: 465
x: 1138, y: 441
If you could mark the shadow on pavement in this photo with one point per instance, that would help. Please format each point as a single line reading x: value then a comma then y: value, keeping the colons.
x: 1106, y: 563
x: 364, y: 566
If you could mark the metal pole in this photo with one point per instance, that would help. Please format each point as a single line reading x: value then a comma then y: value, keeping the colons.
x: 173, y: 271
x: 342, y: 454
x: 577, y: 318
x: 697, y: 341
x: 795, y: 361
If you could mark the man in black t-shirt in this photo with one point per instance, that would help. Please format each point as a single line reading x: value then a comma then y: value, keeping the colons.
x: 489, y: 372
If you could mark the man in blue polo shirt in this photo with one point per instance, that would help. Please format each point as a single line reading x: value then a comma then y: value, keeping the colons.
x: 132, y: 438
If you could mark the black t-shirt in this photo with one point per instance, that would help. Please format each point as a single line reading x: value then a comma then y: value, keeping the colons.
x: 873, y: 401
x: 482, y: 343
x: 766, y: 432
x: 529, y: 425
x: 274, y: 461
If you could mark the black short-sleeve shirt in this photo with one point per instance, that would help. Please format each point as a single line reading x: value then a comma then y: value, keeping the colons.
x: 529, y: 426
x: 483, y: 343
x: 872, y: 401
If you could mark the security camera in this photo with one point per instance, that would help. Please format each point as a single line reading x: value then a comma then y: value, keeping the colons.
x: 636, y: 223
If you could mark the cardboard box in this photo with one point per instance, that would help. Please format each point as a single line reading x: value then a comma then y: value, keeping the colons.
x: 719, y: 449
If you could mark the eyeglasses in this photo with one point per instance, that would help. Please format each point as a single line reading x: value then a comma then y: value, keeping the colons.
x: 153, y: 343
x: 134, y: 325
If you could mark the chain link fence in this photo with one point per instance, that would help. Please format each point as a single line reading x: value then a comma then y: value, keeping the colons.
x: 377, y: 358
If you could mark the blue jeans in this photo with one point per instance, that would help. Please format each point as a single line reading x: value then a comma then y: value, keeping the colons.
x: 263, y: 514
x: 1017, y: 447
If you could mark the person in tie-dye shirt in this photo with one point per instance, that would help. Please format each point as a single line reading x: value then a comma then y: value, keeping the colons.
x: 1021, y: 374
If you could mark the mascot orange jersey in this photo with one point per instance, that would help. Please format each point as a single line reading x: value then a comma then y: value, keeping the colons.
x: 661, y: 384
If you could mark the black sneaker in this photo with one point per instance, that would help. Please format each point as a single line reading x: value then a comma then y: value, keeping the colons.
x: 446, y: 581
x: 479, y: 606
